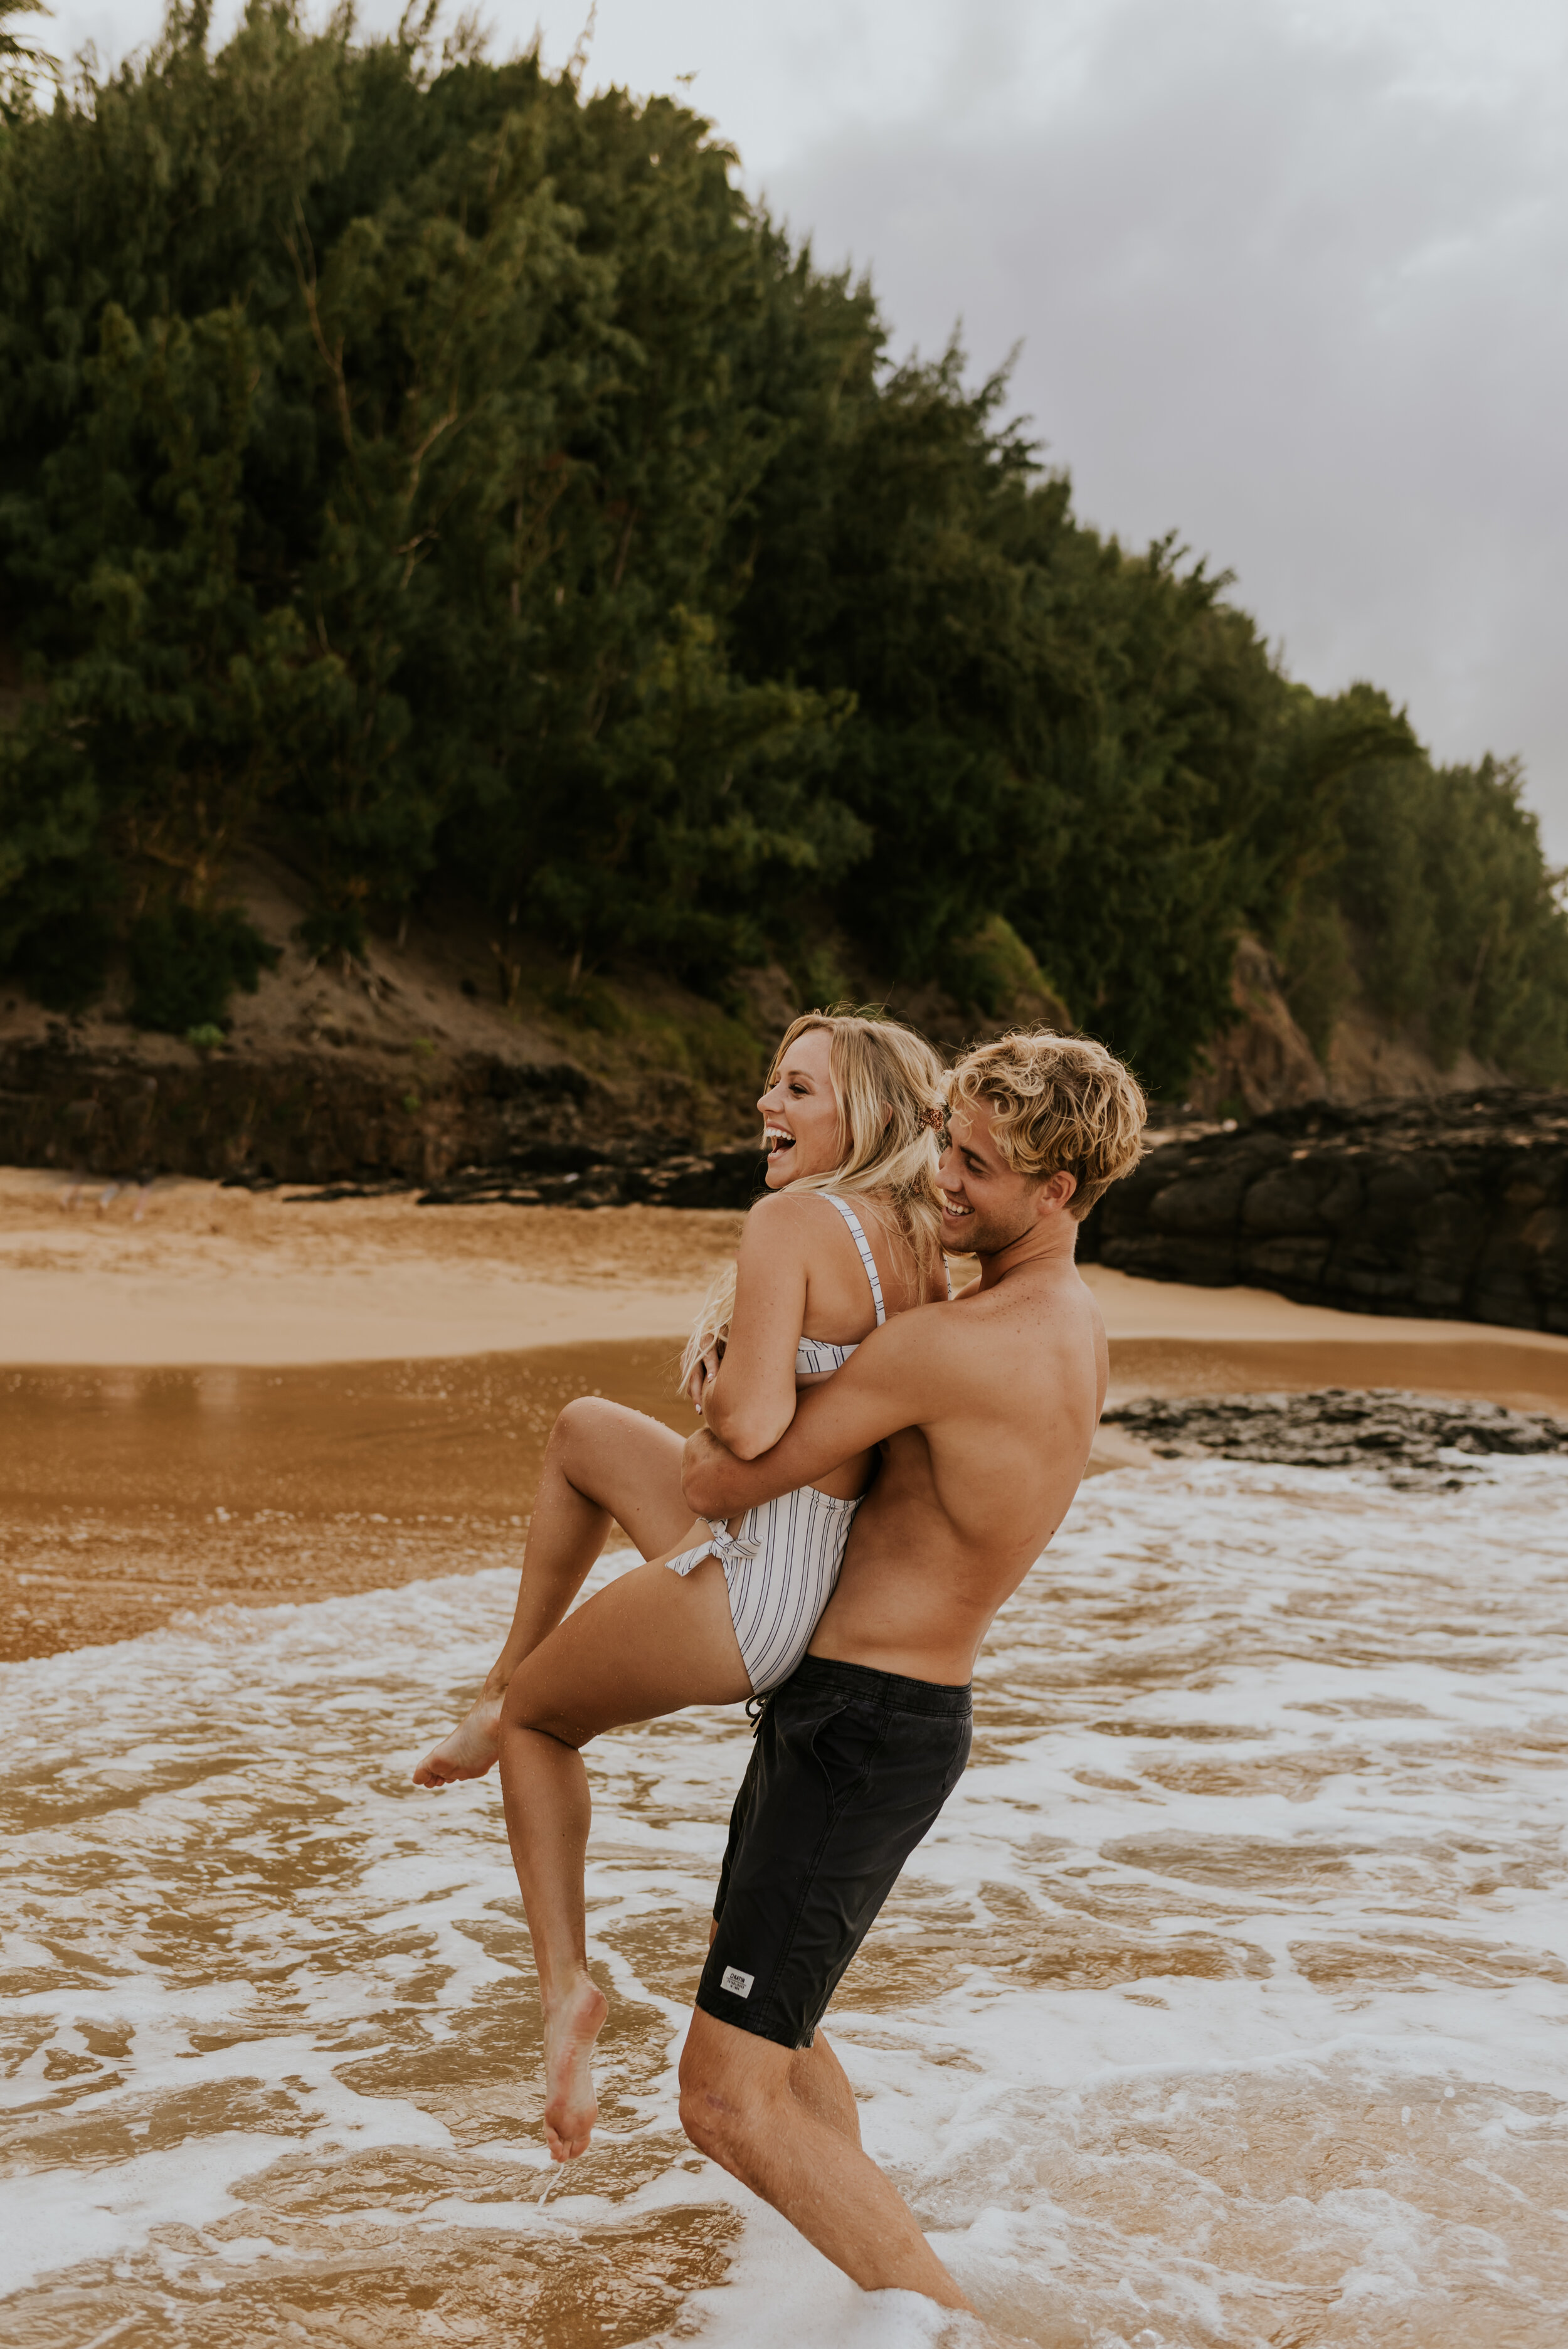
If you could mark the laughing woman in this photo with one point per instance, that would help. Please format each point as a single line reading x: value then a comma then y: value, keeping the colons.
x: 846, y: 1236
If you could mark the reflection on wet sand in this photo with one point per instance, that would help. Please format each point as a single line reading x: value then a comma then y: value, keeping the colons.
x: 1527, y: 1373
x: 127, y: 1494
x: 130, y: 1494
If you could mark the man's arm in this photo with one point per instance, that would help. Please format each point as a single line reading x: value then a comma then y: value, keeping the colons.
x: 892, y: 1381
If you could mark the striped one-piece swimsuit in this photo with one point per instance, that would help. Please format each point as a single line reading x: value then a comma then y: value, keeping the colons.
x: 782, y: 1565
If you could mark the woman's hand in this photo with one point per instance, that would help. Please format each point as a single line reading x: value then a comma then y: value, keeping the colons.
x: 704, y: 1371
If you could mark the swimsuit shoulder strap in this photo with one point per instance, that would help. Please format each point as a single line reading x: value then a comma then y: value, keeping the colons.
x: 857, y: 1234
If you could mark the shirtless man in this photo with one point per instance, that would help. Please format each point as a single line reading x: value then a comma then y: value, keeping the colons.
x: 985, y: 1409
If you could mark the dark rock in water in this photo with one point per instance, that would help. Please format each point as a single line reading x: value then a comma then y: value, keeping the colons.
x: 1339, y: 1427
x: 1454, y: 1207
x: 720, y: 1179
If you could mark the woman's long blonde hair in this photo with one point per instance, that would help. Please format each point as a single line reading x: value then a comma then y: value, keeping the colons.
x: 889, y: 1087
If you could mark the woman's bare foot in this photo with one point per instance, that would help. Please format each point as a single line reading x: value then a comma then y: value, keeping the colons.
x: 571, y: 2024
x: 471, y: 1749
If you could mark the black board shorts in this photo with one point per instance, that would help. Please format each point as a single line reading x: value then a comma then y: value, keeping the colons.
x: 848, y: 1771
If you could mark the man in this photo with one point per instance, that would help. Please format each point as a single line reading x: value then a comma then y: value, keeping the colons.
x: 985, y: 1409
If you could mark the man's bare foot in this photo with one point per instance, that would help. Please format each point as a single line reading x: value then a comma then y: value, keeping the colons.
x: 571, y: 2024
x: 471, y: 1749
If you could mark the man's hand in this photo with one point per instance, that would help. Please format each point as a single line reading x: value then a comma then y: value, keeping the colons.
x: 706, y: 1462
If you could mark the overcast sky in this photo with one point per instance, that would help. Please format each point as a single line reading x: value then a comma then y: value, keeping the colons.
x: 1289, y: 277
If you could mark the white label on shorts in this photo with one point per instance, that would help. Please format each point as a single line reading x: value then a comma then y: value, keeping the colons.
x: 733, y: 1979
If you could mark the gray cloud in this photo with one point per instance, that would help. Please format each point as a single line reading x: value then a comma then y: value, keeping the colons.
x: 1279, y: 294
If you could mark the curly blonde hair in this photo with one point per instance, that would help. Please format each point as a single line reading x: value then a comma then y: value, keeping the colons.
x: 1059, y: 1104
x: 888, y: 1084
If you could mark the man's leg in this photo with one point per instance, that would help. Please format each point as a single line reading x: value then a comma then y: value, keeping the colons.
x: 818, y: 2084
x: 742, y: 2103
x: 817, y: 2080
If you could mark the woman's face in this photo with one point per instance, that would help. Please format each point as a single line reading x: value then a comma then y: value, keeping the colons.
x: 801, y: 1128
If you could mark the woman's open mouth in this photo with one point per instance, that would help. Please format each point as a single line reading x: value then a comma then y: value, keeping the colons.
x: 776, y: 1141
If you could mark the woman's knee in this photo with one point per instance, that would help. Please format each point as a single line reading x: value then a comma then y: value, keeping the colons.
x: 528, y: 1704
x: 577, y: 1423
x: 588, y: 1436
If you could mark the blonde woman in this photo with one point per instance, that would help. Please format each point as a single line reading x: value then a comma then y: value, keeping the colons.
x: 846, y: 1236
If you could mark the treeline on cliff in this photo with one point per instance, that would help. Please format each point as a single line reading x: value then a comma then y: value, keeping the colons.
x: 438, y: 477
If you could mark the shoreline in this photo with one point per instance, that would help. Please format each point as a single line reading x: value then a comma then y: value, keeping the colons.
x: 235, y: 1399
x: 189, y: 1275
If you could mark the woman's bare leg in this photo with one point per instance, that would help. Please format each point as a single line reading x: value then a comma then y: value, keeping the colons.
x: 604, y: 1464
x: 648, y: 1644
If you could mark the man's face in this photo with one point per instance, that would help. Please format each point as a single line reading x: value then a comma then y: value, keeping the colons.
x: 984, y: 1205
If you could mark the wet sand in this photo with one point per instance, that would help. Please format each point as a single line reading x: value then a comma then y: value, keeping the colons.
x: 126, y: 1496
x: 216, y: 1396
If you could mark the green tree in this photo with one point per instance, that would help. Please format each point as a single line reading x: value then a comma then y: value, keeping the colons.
x: 165, y: 718
x: 437, y: 477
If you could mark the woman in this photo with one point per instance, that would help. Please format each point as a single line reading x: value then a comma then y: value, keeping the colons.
x: 846, y: 1234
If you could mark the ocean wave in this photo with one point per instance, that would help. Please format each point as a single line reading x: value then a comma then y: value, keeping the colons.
x: 1225, y: 2003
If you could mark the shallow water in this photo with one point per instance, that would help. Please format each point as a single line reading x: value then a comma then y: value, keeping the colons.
x: 129, y: 1495
x: 1226, y: 2003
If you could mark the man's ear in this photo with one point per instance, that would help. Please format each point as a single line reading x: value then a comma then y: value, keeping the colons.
x: 1055, y: 1193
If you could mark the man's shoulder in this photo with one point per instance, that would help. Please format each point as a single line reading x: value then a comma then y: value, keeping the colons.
x: 1031, y: 1323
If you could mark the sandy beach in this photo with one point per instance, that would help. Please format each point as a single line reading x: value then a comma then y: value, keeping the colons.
x: 220, y: 1395
x: 185, y: 1273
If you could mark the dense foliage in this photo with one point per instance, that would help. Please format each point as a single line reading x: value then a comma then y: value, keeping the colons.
x: 434, y: 475
x: 1435, y: 906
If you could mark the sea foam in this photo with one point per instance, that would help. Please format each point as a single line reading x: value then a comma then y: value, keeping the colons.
x: 1226, y: 2004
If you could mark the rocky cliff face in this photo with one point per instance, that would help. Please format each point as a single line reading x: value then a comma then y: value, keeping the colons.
x: 477, y: 1125
x: 429, y: 1056
x: 1265, y: 1062
x: 1456, y: 1207
x: 296, y: 1117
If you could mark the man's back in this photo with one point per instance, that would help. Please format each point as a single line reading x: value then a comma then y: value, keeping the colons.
x: 1012, y: 1382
